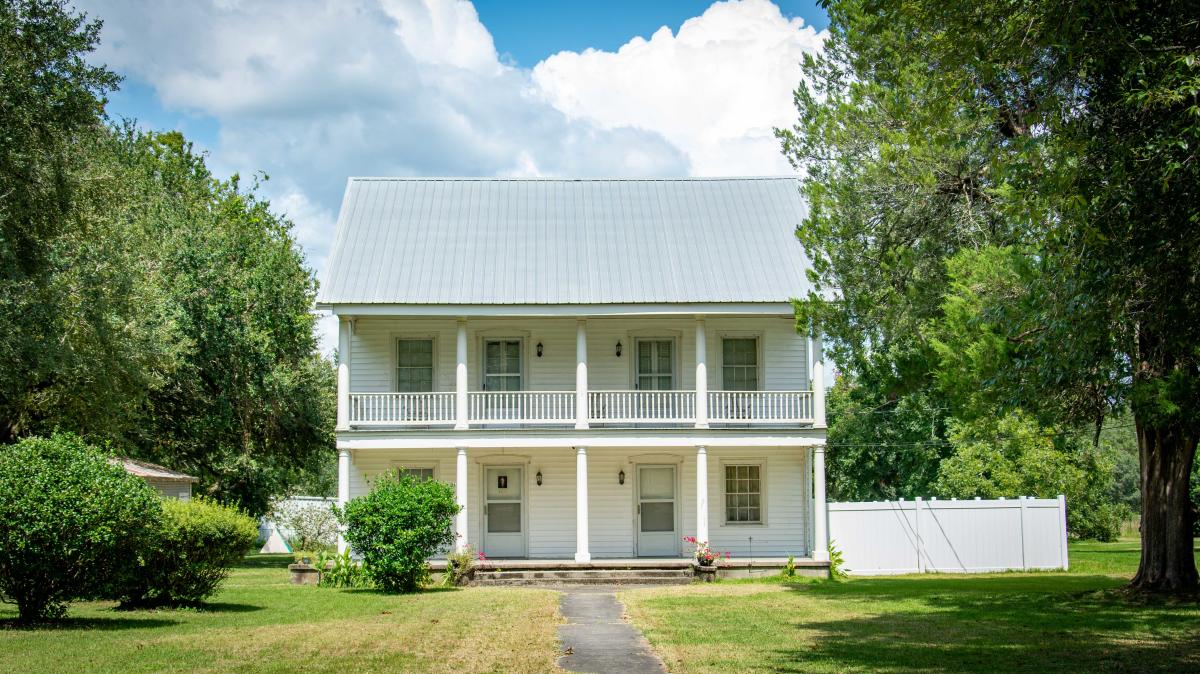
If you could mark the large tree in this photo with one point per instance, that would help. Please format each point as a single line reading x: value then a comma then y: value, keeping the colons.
x: 144, y: 301
x: 1008, y: 190
x: 77, y: 346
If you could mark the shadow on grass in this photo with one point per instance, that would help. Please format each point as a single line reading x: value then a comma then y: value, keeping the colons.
x: 432, y: 589
x: 93, y: 624
x: 1000, y: 623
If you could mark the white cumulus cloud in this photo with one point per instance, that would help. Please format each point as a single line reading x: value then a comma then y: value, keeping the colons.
x: 314, y: 91
x: 716, y: 89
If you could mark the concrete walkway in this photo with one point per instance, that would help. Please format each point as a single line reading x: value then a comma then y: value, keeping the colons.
x: 597, y: 640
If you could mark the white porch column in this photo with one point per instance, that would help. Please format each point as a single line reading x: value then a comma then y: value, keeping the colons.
x: 820, y: 508
x: 460, y: 497
x: 460, y: 377
x: 581, y: 384
x: 817, y: 379
x: 701, y: 376
x: 343, y: 374
x: 702, y: 493
x: 343, y: 496
x: 581, y: 506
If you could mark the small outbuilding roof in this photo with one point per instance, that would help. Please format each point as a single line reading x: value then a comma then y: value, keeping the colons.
x: 147, y: 470
x: 489, y: 241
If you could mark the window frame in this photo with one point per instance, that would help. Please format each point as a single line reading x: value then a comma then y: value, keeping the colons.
x: 394, y: 359
x: 399, y: 465
x: 759, y: 352
x: 761, y: 464
x: 523, y: 366
x: 676, y: 361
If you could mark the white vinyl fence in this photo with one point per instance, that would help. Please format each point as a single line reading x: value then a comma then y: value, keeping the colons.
x: 890, y: 537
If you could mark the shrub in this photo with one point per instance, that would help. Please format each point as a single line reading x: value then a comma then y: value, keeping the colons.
x: 837, y: 562
x: 396, y: 527
x: 196, y: 543
x: 71, y: 522
x: 313, y: 524
x: 460, y: 565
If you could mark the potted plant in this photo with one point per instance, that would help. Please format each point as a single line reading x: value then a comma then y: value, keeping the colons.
x: 705, y: 559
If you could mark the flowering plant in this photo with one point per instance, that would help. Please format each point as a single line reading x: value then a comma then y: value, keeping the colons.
x: 702, y: 553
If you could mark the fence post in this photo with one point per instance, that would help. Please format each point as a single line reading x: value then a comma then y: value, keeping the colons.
x: 1024, y: 560
x: 1062, y: 512
x: 920, y: 540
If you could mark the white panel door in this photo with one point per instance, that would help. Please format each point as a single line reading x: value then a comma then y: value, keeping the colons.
x: 504, y: 512
x: 658, y: 535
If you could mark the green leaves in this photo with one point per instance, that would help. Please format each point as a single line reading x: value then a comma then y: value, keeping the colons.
x: 397, y: 526
x: 72, y: 522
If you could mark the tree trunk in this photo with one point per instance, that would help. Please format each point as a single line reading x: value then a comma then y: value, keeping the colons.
x: 1168, y: 561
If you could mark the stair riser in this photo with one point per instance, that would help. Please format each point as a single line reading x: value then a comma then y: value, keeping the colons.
x: 549, y: 575
x: 544, y: 582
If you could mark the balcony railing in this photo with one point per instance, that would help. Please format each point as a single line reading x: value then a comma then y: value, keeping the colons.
x: 605, y: 408
x: 641, y: 407
x: 760, y: 407
x: 401, y: 409
x: 523, y: 407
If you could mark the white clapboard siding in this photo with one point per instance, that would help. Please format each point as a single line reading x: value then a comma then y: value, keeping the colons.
x: 894, y: 537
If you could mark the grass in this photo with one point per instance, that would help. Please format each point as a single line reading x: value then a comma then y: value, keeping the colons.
x: 1011, y: 622
x: 261, y: 623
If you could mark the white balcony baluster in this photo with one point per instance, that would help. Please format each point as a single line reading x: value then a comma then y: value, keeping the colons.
x: 641, y: 407
x: 524, y: 407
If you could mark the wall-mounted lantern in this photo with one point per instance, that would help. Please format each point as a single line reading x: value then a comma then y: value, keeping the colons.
x: 621, y: 477
x: 539, y: 349
x: 538, y: 477
x: 618, y: 348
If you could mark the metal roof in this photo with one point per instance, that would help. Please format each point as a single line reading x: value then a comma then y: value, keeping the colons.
x: 145, y: 469
x: 567, y: 241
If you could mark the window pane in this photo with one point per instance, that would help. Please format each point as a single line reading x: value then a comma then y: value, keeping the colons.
x: 492, y: 356
x: 419, y: 473
x: 658, y: 516
x: 664, y: 357
x: 743, y: 493
x: 508, y: 477
x: 657, y: 483
x: 645, y: 356
x: 504, y: 518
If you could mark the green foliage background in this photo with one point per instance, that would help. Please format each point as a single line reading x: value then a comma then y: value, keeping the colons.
x: 146, y: 302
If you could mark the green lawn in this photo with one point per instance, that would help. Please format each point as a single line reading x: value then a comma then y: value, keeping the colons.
x: 260, y: 623
x: 1011, y: 622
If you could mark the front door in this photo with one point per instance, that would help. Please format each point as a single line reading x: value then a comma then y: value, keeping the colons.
x: 503, y: 512
x: 656, y: 510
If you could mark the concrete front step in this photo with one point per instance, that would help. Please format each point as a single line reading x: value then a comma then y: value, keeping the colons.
x: 586, y: 577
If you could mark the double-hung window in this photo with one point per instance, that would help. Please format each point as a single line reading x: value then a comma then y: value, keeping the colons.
x: 743, y: 494
x: 655, y: 365
x: 502, y: 365
x: 414, y: 365
x: 421, y: 474
x: 739, y: 364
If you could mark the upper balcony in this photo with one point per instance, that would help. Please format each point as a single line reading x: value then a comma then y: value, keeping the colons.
x: 608, y: 409
x: 661, y: 380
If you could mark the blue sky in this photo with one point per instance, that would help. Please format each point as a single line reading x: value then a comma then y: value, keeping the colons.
x: 312, y: 92
x: 530, y: 31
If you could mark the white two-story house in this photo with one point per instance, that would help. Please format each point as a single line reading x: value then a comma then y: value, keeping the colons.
x: 600, y: 367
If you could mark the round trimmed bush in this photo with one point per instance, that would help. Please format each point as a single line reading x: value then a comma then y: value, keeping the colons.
x: 195, y: 545
x: 72, y: 522
x: 398, y: 526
